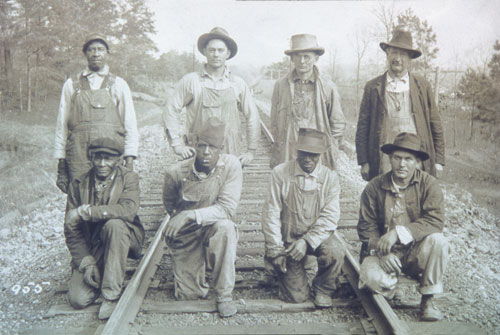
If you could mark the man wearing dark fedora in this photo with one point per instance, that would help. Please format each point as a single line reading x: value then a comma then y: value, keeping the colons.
x: 398, y: 101
x: 102, y: 227
x: 201, y: 195
x: 305, y: 99
x: 213, y: 92
x: 400, y: 226
x: 95, y: 103
x: 299, y: 218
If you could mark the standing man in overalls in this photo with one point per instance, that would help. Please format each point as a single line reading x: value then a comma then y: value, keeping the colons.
x: 94, y: 104
x: 213, y: 92
x: 202, y: 195
x: 299, y: 218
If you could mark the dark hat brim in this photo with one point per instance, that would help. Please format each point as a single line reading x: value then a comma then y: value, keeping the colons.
x: 389, y: 148
x: 106, y: 150
x: 311, y: 149
x: 414, y: 53
x: 205, y: 38
x: 318, y: 51
x: 85, y: 46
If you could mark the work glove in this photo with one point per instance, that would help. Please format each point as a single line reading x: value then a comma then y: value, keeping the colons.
x: 279, y: 263
x: 62, y: 180
x: 91, y: 274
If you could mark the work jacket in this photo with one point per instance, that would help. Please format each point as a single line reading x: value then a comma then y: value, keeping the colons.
x: 121, y: 202
x: 371, y: 131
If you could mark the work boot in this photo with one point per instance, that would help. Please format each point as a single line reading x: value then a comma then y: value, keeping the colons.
x: 322, y: 300
x: 107, y: 307
x: 429, y: 311
x: 226, y: 308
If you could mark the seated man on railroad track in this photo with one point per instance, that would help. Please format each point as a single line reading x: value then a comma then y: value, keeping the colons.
x: 299, y: 218
x: 202, y: 195
x: 101, y: 227
x: 400, y: 223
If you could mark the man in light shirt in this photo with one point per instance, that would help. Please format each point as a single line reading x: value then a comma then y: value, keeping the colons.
x: 395, y: 102
x: 299, y: 218
x: 201, y: 196
x: 94, y: 104
x: 213, y: 92
x: 400, y: 226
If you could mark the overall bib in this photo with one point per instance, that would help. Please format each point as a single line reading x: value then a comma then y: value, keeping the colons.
x: 93, y: 115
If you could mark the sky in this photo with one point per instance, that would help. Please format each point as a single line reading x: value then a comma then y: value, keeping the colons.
x: 466, y: 30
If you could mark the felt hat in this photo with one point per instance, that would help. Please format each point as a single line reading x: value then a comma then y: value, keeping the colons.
x: 304, y: 42
x: 106, y: 144
x: 219, y: 34
x: 312, y: 140
x: 401, y: 38
x: 212, y: 132
x: 92, y: 38
x: 406, y: 142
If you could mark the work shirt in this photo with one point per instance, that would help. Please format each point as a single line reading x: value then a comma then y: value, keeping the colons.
x: 213, y: 197
x: 122, y: 97
x: 188, y: 94
x: 300, y: 205
x: 303, y: 103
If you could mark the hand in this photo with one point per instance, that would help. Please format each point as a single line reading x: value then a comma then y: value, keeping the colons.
x: 279, y: 263
x: 177, y: 222
x: 129, y: 162
x: 62, y: 179
x: 72, y: 217
x: 92, y: 276
x: 386, y: 242
x: 297, y: 250
x: 365, y: 171
x: 390, y: 263
x: 184, y: 151
x: 439, y: 167
x: 246, y: 158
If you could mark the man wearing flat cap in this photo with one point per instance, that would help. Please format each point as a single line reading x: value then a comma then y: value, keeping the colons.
x: 102, y: 227
x: 213, y: 92
x: 305, y: 99
x: 299, y: 218
x: 201, y: 196
x: 398, y: 101
x: 400, y: 226
x: 95, y: 103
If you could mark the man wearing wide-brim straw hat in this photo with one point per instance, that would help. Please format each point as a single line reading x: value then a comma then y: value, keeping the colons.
x: 401, y: 220
x: 299, y: 218
x: 213, y: 92
x: 305, y: 99
x: 398, y: 101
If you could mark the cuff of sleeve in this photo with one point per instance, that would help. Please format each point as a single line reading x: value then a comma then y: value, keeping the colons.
x: 275, y: 252
x: 176, y: 141
x: 86, y: 261
x: 84, y: 212
x: 309, y: 241
x: 372, y: 245
x: 404, y: 235
x: 198, y: 217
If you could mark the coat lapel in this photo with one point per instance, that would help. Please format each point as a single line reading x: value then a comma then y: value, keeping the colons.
x: 380, y: 87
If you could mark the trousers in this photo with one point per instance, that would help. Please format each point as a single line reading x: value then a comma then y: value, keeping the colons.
x: 205, y: 248
x: 293, y: 285
x: 425, y: 261
x: 111, y: 257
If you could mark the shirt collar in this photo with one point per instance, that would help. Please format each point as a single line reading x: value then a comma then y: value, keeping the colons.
x: 405, y: 79
x: 201, y: 175
x: 388, y: 182
x: 299, y: 172
x: 103, y: 72
x: 110, y: 178
x: 225, y: 74
x: 295, y: 77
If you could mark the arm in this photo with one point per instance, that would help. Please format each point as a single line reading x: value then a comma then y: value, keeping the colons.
x: 228, y: 198
x: 61, y: 134
x: 436, y: 127
x: 126, y: 109
x: 363, y: 128
x: 329, y: 215
x: 337, y: 119
x: 368, y: 230
x: 183, y: 96
x: 251, y: 113
x: 271, y: 222
x: 170, y: 191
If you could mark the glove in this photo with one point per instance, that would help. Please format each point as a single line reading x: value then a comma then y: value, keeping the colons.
x: 279, y: 263
x: 62, y: 180
x: 91, y: 274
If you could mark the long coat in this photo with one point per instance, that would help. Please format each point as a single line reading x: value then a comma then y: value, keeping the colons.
x: 329, y: 118
x: 372, y: 122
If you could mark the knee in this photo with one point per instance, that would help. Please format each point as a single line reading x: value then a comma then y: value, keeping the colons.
x: 374, y: 277
x: 79, y: 300
x: 331, y: 254
x: 114, y: 226
x: 225, y: 227
x: 437, y: 240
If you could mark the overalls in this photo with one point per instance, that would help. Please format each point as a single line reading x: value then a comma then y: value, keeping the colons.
x: 198, y: 247
x: 222, y: 104
x: 301, y: 209
x: 93, y: 115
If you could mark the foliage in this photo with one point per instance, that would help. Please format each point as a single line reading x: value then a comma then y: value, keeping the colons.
x: 278, y: 70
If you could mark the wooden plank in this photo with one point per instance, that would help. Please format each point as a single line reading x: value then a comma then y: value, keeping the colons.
x: 63, y: 288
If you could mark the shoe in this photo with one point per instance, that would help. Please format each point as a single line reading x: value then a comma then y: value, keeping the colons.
x: 226, y: 308
x: 106, y: 309
x: 322, y: 300
x: 429, y: 311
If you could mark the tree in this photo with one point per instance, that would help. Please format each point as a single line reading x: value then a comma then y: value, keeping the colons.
x: 386, y: 15
x: 424, y: 39
x: 361, y: 40
x: 278, y: 70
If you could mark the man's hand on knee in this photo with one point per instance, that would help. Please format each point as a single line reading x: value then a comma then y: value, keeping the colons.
x: 297, y: 250
x: 390, y: 263
x: 279, y: 263
x: 177, y: 222
x: 386, y: 242
x: 91, y: 274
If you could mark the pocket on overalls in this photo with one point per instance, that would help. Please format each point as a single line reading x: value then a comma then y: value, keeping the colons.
x: 99, y: 102
x: 310, y: 205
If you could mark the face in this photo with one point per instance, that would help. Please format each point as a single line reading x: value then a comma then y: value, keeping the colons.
x: 104, y: 164
x: 96, y: 55
x: 217, y: 53
x: 307, y: 160
x: 304, y: 61
x: 398, y: 61
x: 403, y: 165
x: 207, y: 156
